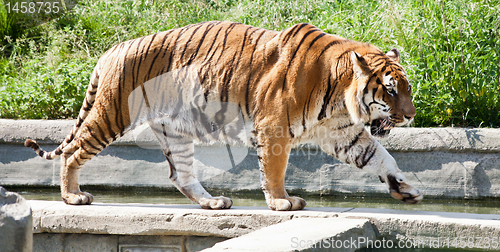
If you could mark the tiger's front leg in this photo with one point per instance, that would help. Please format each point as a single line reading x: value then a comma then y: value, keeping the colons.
x: 355, y: 146
x: 273, y: 153
x: 179, y: 152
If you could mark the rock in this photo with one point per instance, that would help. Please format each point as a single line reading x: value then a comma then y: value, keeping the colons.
x: 16, y: 225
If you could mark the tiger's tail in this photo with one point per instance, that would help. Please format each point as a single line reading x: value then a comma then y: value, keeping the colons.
x: 84, y: 112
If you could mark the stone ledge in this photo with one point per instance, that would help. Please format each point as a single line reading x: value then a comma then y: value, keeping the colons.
x: 424, y: 225
x: 400, y: 139
x: 243, y: 222
x: 142, y: 219
x: 301, y: 235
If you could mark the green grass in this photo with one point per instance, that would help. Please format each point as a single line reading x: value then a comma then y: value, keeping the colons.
x: 450, y: 49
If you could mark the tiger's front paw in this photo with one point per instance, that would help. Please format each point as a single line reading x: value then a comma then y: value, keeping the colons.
x: 287, y: 204
x: 81, y: 198
x: 400, y: 190
x: 216, y: 203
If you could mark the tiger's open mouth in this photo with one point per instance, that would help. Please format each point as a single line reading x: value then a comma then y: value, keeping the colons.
x: 381, y: 127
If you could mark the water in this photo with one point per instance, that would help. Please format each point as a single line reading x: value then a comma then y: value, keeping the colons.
x: 256, y: 198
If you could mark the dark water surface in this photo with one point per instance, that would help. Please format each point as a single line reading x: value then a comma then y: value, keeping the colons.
x: 256, y: 198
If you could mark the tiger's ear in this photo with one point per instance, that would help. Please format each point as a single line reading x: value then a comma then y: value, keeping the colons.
x: 393, y: 55
x: 359, y: 65
x: 354, y: 94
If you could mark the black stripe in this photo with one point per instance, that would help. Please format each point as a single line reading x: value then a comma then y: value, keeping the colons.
x: 366, y: 156
x: 156, y: 56
x: 135, y: 60
x: 289, y: 126
x: 172, y: 167
x: 228, y: 75
x: 365, y: 91
x: 209, y: 59
x: 70, y: 137
x: 226, y: 34
x: 181, y: 32
x: 188, y: 41
x: 108, y: 56
x: 353, y: 142
x: 77, y: 160
x: 193, y: 56
x: 345, y: 126
x: 89, y: 153
x: 144, y: 56
x: 332, y: 43
x: 87, y: 106
x: 121, y: 82
x: 168, y: 44
x: 300, y: 28
x: 383, y: 68
x: 108, y: 125
x: 233, y: 67
x: 247, y: 91
x: 58, y: 151
x: 79, y: 123
x: 374, y: 91
x: 112, y: 50
x: 295, y: 53
x: 243, y: 45
x: 326, y: 100
x: 100, y: 138
x: 121, y: 76
x: 292, y: 33
x: 375, y: 102
x: 212, y: 45
x: 287, y: 35
x: 119, y: 115
x: 306, y: 108
x: 91, y: 145
x: 315, y: 39
x: 149, y: 46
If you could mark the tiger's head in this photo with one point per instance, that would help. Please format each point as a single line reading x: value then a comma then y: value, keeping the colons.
x: 380, y: 92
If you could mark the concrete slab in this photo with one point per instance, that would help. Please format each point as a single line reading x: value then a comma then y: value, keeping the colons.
x: 257, y: 228
x: 143, y: 219
x: 335, y: 234
x: 423, y: 225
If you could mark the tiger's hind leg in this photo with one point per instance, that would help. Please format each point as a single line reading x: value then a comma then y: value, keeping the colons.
x: 70, y: 171
x: 89, y: 141
x: 179, y: 152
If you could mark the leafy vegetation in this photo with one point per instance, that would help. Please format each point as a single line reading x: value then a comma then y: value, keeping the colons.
x: 450, y: 49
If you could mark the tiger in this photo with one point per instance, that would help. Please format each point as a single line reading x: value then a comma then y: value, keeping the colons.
x: 291, y: 87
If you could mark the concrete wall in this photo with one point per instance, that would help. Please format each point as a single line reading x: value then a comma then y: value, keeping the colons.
x: 450, y: 162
